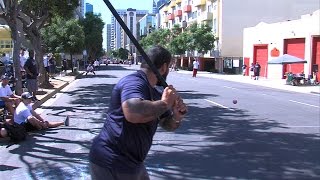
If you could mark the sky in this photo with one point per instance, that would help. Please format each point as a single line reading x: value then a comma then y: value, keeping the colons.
x: 100, y: 7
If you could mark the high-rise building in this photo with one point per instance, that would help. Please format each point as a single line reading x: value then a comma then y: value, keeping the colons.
x: 80, y: 9
x: 131, y: 18
x: 118, y: 36
x: 89, y: 7
x: 147, y: 24
x: 108, y: 37
x: 116, y: 30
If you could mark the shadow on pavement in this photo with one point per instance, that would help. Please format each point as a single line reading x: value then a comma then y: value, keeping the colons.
x: 216, y: 143
x: 212, y: 143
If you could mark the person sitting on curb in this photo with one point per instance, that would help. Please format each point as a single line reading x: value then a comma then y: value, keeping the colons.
x: 7, y: 98
x: 90, y: 68
x: 25, y: 115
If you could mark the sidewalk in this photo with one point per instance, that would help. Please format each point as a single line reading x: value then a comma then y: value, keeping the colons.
x: 59, y: 82
x: 270, y: 83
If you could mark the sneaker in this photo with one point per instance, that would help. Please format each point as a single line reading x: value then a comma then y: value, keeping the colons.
x: 66, y: 122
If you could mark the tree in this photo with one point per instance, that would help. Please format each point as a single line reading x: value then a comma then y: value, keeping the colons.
x: 159, y: 37
x: 9, y: 12
x: 64, y: 36
x: 93, y: 29
x: 201, y: 38
x: 34, y: 15
x: 123, y: 53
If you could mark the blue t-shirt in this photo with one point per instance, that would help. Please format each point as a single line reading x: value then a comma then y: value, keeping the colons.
x: 122, y: 145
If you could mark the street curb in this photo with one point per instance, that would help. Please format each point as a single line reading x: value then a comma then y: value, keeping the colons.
x: 51, y: 94
x: 314, y: 92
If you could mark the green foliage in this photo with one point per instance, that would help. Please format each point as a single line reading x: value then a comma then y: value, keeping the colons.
x: 123, y: 53
x: 200, y: 38
x: 178, y: 45
x: 93, y: 28
x: 64, y: 36
x: 160, y: 37
x: 39, y: 8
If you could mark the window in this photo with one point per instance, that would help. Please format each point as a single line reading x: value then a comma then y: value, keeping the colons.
x: 215, y: 25
x: 210, y: 8
x: 131, y: 24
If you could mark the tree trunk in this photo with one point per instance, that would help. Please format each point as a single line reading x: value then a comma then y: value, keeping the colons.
x: 16, y: 60
x: 43, y: 79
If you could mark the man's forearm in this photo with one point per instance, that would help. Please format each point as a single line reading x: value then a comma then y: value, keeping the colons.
x: 142, y: 111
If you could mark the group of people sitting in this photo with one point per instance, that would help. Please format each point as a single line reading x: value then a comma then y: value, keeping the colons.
x: 21, y: 112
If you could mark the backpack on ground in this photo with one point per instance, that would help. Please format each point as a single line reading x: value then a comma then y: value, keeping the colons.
x: 16, y: 132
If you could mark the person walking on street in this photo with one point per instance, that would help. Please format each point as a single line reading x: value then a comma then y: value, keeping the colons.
x: 244, y: 69
x: 251, y: 72
x: 257, y: 69
x: 96, y: 65
x: 195, y: 68
x: 64, y: 65
x: 32, y: 74
x: 137, y: 107
x: 22, y: 60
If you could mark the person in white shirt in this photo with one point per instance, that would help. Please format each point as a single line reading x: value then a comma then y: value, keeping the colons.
x: 26, y: 116
x: 90, y: 68
x: 195, y: 68
x: 22, y: 60
x: 7, y: 98
x: 96, y: 64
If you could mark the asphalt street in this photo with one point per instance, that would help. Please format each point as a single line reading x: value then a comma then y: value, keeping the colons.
x: 268, y: 134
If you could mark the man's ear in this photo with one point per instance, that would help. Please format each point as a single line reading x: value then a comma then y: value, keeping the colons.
x: 163, y: 68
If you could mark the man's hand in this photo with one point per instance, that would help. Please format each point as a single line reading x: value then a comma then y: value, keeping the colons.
x: 169, y: 96
x: 179, y: 109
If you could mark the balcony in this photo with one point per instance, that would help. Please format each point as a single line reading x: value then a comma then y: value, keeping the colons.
x: 178, y: 13
x: 165, y: 9
x: 178, y: 1
x: 171, y: 16
x: 172, y: 4
x: 199, y: 2
x: 206, y: 16
x: 187, y: 8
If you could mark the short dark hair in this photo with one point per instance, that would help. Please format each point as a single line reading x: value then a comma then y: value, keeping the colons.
x: 158, y: 56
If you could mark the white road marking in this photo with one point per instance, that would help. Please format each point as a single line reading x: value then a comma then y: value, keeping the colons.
x: 217, y: 104
x: 304, y: 104
x: 230, y: 87
x: 303, y: 126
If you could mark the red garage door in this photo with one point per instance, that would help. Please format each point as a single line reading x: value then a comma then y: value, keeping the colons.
x: 294, y: 47
x: 316, y: 53
x: 260, y: 55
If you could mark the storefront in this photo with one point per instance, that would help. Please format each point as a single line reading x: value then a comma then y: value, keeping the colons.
x: 299, y: 38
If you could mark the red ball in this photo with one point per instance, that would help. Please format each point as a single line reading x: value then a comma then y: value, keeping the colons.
x: 235, y: 101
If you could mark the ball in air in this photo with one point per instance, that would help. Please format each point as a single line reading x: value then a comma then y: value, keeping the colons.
x: 235, y: 101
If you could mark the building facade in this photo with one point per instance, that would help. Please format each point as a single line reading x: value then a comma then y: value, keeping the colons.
x: 299, y: 38
x: 229, y: 18
x: 116, y: 30
x: 147, y: 24
x: 89, y: 7
x: 6, y: 44
x: 131, y: 18
x: 108, y: 37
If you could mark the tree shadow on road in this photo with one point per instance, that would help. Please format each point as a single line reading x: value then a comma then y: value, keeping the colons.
x: 217, y: 143
x: 212, y: 143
